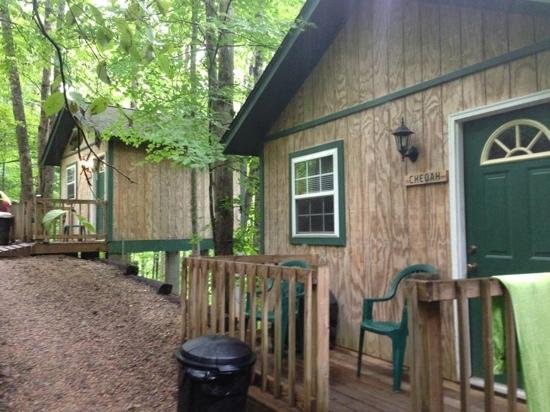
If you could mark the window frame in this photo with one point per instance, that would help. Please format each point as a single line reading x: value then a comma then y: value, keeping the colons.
x: 73, y: 166
x: 338, y: 238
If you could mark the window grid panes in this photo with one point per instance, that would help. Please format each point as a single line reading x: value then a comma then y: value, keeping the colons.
x: 314, y: 195
x: 71, y: 182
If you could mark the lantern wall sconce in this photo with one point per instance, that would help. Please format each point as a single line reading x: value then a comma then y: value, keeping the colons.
x: 402, y: 139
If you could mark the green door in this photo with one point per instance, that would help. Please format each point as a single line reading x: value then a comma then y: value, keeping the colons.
x: 507, y: 198
x: 100, y: 195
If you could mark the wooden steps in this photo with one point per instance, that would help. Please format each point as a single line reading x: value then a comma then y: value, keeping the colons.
x: 16, y: 250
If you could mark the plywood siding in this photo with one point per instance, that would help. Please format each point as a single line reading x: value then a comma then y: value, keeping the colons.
x: 389, y: 45
x: 84, y: 177
x: 157, y: 204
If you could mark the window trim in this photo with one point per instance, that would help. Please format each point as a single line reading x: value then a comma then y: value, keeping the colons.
x: 72, y: 165
x: 339, y: 237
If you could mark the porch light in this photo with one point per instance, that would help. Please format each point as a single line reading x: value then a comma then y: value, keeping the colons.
x: 402, y: 139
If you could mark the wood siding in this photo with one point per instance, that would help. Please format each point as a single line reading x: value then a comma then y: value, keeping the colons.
x: 386, y: 46
x: 158, y: 204
x: 83, y: 180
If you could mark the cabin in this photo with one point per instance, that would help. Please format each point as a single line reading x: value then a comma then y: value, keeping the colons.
x: 466, y: 193
x: 135, y: 205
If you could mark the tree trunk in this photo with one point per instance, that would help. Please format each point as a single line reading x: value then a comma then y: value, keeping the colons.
x: 17, y: 105
x: 220, y: 80
x: 194, y: 84
x: 46, y: 173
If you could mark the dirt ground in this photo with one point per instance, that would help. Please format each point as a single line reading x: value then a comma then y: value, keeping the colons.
x: 77, y: 335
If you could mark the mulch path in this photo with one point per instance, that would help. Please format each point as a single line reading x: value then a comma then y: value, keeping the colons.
x: 78, y: 335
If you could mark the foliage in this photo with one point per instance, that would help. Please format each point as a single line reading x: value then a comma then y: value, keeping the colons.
x: 54, y: 218
x: 137, y: 54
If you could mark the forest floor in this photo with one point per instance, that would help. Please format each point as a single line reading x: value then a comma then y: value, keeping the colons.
x: 76, y: 335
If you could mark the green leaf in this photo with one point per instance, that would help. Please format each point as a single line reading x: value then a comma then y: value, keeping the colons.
x: 56, y: 82
x: 102, y: 72
x: 50, y: 218
x: 73, y: 14
x: 54, y: 103
x: 84, y: 222
x: 99, y: 105
x: 148, y: 54
x: 125, y: 36
x: 164, y: 64
x: 163, y: 6
x: 97, y: 14
x: 134, y: 11
x: 103, y: 37
x: 73, y: 107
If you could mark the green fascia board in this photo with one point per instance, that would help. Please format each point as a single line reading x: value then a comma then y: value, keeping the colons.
x: 298, y: 54
x: 289, y: 40
x: 58, y: 139
x: 321, y: 240
x: 160, y: 245
x: 428, y: 84
x: 261, y: 201
x: 110, y: 189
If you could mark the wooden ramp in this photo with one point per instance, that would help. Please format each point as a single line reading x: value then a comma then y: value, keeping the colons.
x: 16, y: 250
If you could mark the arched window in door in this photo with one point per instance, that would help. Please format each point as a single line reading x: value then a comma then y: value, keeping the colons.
x: 516, y: 140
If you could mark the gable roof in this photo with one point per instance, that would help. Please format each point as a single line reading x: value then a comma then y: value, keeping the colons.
x: 300, y: 52
x: 63, y: 129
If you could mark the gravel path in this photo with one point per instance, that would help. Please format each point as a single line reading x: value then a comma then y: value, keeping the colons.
x: 77, y: 335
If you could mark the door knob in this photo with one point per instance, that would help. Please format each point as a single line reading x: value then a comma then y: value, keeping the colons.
x: 471, y: 267
x: 472, y: 249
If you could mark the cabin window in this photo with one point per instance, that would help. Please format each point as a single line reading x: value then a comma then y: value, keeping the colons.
x: 317, y: 196
x: 71, y: 181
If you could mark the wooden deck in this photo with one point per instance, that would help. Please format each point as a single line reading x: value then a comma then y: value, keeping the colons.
x: 55, y: 248
x: 373, y: 390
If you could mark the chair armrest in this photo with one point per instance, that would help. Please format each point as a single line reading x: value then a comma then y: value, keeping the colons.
x: 368, y: 305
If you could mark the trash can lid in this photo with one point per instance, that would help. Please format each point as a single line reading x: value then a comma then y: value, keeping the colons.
x: 219, y: 352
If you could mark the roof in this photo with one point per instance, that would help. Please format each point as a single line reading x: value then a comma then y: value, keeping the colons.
x: 297, y: 56
x: 63, y: 128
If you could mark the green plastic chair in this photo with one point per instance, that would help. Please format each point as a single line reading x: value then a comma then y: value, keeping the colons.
x: 396, y: 331
x: 284, y: 300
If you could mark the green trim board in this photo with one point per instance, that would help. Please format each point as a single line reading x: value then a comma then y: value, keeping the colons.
x: 261, y: 202
x: 341, y: 177
x: 161, y: 245
x: 299, y: 53
x: 110, y: 189
x: 428, y: 84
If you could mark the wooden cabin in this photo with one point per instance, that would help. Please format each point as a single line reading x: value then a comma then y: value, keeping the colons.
x: 135, y: 205
x: 471, y: 79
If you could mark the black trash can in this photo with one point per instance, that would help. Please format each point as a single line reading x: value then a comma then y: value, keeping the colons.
x: 215, y: 374
x: 6, y: 221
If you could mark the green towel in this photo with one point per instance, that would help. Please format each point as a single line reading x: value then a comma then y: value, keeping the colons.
x: 530, y: 294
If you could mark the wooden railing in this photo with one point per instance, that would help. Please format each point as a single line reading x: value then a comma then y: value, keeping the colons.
x: 29, y: 215
x: 425, y: 299
x: 223, y: 295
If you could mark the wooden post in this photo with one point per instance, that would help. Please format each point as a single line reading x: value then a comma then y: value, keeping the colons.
x: 183, y: 295
x: 427, y: 380
x: 322, y: 339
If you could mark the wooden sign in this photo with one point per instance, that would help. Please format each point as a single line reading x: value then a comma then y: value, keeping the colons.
x: 427, y: 178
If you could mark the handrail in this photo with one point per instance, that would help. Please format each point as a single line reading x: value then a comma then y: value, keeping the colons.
x: 426, y: 298
x: 214, y: 298
x: 29, y: 217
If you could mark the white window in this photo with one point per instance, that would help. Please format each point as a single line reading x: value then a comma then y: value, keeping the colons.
x: 316, y: 203
x: 71, y: 181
